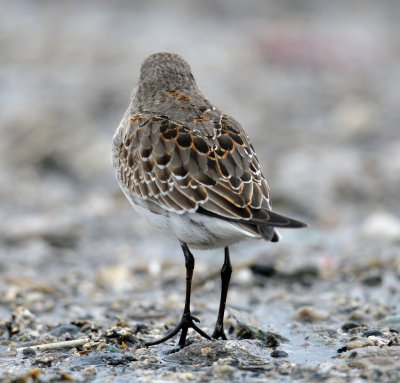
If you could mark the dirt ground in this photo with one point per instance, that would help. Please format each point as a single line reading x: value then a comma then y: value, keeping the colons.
x: 84, y: 280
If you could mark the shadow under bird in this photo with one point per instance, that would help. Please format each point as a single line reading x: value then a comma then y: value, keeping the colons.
x: 191, y: 171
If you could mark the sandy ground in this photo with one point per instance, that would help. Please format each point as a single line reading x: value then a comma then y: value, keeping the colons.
x: 316, y: 85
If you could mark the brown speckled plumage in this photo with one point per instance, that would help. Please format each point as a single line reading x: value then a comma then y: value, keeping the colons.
x: 180, y: 153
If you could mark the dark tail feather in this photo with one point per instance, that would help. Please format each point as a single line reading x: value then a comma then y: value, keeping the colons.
x: 270, y: 218
x: 268, y: 233
x: 261, y: 217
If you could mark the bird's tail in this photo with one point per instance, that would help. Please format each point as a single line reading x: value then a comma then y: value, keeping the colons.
x: 266, y: 217
x: 267, y: 228
x: 269, y: 233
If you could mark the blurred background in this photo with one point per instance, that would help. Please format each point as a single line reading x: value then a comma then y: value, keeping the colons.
x: 315, y: 84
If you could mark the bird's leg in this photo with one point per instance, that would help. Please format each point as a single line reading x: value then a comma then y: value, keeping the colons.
x: 187, y: 320
x: 226, y: 273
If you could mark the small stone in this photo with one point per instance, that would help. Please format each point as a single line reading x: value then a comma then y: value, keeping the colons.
x: 309, y: 314
x: 263, y: 270
x: 373, y: 333
x: 372, y: 280
x: 248, y: 328
x: 279, y: 354
x: 43, y: 361
x: 341, y: 349
x: 205, y: 350
x: 66, y: 377
x: 116, y: 277
x: 358, y: 316
x: 350, y: 325
x: 91, y: 370
x: 28, y: 352
x: 357, y: 364
x: 223, y: 371
x: 355, y: 344
x: 112, y: 348
x: 375, y: 341
x: 382, y: 225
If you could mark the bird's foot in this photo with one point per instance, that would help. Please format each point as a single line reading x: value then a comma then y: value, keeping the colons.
x: 186, y: 322
x: 219, y: 332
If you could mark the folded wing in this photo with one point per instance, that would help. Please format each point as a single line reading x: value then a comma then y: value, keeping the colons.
x: 200, y: 169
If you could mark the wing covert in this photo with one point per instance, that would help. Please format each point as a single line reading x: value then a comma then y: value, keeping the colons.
x: 181, y: 167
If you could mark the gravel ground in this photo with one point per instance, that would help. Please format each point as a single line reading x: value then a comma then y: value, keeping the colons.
x: 84, y: 281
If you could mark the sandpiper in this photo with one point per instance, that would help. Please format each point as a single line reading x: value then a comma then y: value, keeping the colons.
x: 191, y: 171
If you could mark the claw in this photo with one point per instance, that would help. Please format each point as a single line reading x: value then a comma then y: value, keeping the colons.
x: 186, y: 322
x: 219, y: 332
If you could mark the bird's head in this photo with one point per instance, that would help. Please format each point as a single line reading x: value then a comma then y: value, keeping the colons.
x: 165, y: 72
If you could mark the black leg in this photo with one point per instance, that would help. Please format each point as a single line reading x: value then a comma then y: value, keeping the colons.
x: 187, y: 320
x: 226, y: 273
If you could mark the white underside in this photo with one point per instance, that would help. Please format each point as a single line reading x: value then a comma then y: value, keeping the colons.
x: 196, y: 230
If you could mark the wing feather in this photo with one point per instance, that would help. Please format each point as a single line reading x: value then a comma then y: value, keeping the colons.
x: 181, y: 169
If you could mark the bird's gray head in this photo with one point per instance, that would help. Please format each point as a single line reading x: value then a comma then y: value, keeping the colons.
x: 164, y: 72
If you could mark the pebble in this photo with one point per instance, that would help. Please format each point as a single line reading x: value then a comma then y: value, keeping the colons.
x: 28, y: 352
x: 358, y: 316
x: 223, y: 371
x: 279, y: 354
x: 91, y: 370
x: 355, y: 344
x: 375, y: 341
x: 369, y: 333
x: 382, y: 225
x: 309, y: 314
x: 263, y: 270
x: 350, y: 325
x: 206, y: 350
x: 372, y: 280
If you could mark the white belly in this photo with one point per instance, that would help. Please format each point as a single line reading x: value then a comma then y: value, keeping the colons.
x: 196, y: 230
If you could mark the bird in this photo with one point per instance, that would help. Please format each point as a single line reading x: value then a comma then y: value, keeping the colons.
x: 191, y: 171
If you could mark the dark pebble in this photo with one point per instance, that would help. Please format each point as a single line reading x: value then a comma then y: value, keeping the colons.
x: 342, y: 349
x: 372, y: 280
x: 28, y: 352
x: 264, y: 270
x: 119, y: 359
x: 270, y: 339
x: 349, y: 325
x: 101, y: 359
x: 373, y: 333
x: 353, y: 355
x: 279, y: 354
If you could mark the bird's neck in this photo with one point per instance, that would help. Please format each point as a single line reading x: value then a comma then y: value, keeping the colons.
x: 173, y: 103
